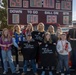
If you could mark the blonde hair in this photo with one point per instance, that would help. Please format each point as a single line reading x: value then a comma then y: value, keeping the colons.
x: 59, y: 33
x: 32, y: 29
x: 41, y: 30
x: 51, y: 28
x: 45, y: 40
x: 8, y: 34
x: 19, y: 29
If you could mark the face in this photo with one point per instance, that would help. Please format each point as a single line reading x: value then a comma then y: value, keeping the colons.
x: 63, y: 37
x: 29, y: 37
x: 47, y: 37
x: 29, y: 27
x: 17, y: 28
x: 41, y: 26
x: 51, y: 28
x: 6, y: 32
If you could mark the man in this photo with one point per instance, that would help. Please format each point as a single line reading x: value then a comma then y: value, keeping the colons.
x: 72, y: 38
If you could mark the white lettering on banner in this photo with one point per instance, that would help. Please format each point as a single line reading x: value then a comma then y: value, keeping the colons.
x: 32, y: 12
x: 15, y: 11
x: 50, y: 12
x: 65, y: 13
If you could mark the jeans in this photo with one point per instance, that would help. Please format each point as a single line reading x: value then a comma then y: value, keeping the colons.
x: 1, y: 59
x: 33, y: 64
x: 64, y: 60
x: 6, y: 55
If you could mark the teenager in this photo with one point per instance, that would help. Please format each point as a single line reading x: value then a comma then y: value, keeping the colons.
x: 29, y: 29
x: 18, y: 37
x: 39, y: 34
x: 54, y: 39
x: 5, y: 43
x: 58, y: 34
x: 47, y: 53
x: 29, y: 51
x: 63, y: 48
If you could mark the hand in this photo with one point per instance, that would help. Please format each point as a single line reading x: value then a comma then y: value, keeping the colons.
x: 4, y: 45
x: 39, y: 43
x: 61, y: 51
x: 8, y: 45
x: 19, y: 48
x: 54, y: 43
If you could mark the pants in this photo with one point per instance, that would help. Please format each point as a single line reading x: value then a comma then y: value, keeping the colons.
x: 6, y: 55
x: 16, y: 54
x: 64, y: 60
x: 33, y: 64
x: 1, y: 59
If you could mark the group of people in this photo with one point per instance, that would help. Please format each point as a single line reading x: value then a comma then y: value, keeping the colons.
x: 48, y: 49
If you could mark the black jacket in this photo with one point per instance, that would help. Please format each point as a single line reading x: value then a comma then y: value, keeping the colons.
x: 47, y: 54
x: 29, y: 49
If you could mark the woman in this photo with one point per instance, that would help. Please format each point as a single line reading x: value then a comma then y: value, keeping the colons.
x: 47, y: 53
x: 18, y: 37
x: 53, y: 34
x: 53, y: 37
x: 29, y: 51
x: 39, y: 34
x: 29, y: 29
x: 5, y: 43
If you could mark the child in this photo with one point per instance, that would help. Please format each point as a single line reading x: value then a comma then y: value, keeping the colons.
x: 63, y: 48
x: 47, y: 53
x: 29, y: 51
x: 5, y: 43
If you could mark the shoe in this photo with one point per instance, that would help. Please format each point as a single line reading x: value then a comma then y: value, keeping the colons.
x: 4, y: 72
x: 14, y: 73
x: 43, y: 73
x: 62, y: 73
x: 17, y: 68
x: 23, y: 73
x: 50, y: 73
x: 57, y: 72
x: 36, y: 74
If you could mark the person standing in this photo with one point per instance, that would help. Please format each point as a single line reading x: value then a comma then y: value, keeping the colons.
x: 71, y: 36
x: 6, y: 43
x: 29, y: 50
x: 47, y: 54
x: 63, y: 48
x: 17, y: 34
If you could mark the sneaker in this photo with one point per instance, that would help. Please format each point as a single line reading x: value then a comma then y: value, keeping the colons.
x: 23, y: 73
x: 62, y: 73
x: 36, y: 74
x: 17, y: 68
x: 50, y: 73
x: 43, y: 73
x: 4, y: 72
x: 57, y: 72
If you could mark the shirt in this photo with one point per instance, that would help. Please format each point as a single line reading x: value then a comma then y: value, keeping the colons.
x: 29, y: 49
x: 5, y: 42
x: 60, y: 46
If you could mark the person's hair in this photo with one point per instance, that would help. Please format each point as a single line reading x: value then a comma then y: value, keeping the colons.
x: 41, y: 30
x: 60, y: 30
x: 32, y: 29
x: 8, y: 35
x: 14, y: 29
x: 45, y: 40
x: 59, y: 33
x: 51, y: 28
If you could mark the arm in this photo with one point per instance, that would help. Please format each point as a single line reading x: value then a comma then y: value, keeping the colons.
x: 58, y: 47
x: 14, y: 43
